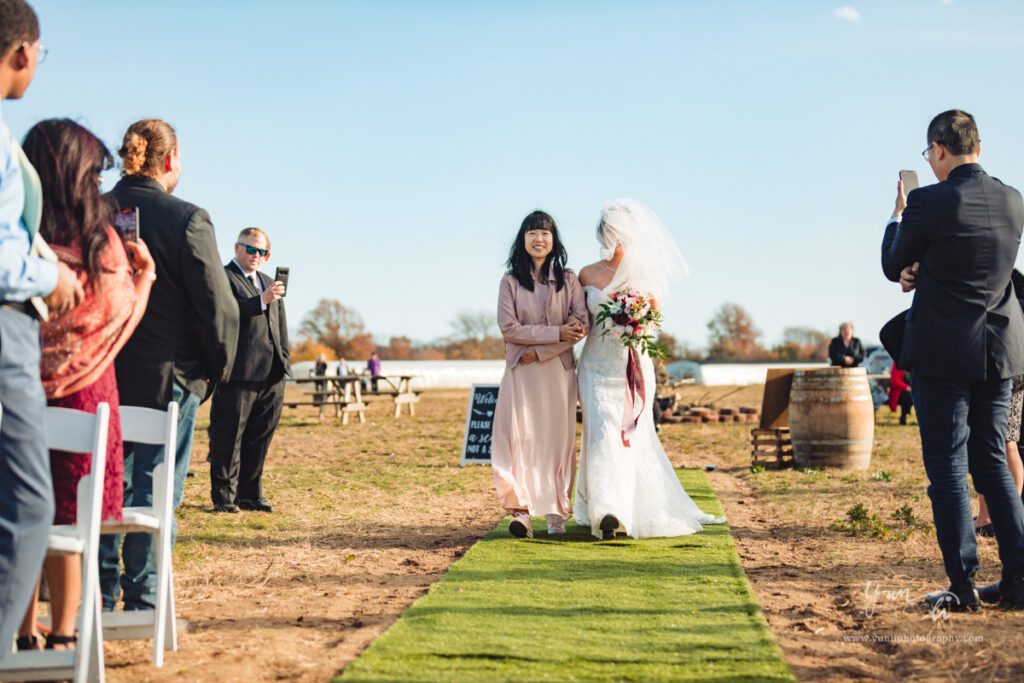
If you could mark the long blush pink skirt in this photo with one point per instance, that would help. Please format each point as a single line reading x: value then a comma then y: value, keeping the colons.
x: 533, y: 449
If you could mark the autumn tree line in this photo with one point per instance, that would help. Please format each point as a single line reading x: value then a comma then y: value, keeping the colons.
x: 338, y: 331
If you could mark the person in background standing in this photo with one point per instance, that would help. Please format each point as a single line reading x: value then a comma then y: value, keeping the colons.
x: 28, y: 270
x: 846, y: 351
x: 184, y: 345
x: 373, y: 367
x: 319, y: 370
x: 247, y: 408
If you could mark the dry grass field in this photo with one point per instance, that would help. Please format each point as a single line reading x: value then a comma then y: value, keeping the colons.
x: 368, y: 516
x: 844, y: 604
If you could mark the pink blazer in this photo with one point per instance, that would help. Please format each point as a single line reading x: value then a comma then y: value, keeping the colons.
x: 528, y: 318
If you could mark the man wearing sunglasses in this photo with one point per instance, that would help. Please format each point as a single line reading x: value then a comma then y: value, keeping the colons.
x: 246, y: 409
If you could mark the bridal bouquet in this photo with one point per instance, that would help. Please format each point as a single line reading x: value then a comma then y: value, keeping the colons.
x: 631, y: 318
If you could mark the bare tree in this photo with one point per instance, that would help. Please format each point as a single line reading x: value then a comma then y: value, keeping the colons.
x: 475, y: 336
x: 474, y: 326
x: 803, y: 343
x: 398, y: 348
x: 339, y: 328
x: 733, y: 336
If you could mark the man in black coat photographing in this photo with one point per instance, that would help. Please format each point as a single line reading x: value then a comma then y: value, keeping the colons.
x: 955, y: 243
x: 246, y: 409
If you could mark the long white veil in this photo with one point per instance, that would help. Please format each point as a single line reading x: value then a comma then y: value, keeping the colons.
x: 651, y: 258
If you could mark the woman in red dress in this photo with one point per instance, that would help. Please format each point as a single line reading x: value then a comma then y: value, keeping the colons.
x: 79, y: 347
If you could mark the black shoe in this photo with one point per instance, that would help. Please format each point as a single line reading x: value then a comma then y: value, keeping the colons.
x: 608, y: 525
x: 226, y: 507
x: 989, y: 594
x: 259, y: 505
x: 520, y: 527
x: 1008, y: 593
x: 955, y: 599
x: 29, y: 643
x: 985, y: 530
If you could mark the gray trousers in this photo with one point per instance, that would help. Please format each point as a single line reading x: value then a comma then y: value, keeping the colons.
x: 26, y: 490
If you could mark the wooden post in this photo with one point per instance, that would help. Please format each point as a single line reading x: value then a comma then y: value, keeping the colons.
x: 359, y: 402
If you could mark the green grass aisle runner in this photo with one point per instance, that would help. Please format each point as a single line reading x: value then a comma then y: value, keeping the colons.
x: 569, y: 608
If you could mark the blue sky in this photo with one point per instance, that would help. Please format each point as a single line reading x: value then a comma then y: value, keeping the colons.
x: 392, y: 148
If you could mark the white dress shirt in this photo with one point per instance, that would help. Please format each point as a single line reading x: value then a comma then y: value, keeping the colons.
x: 255, y: 280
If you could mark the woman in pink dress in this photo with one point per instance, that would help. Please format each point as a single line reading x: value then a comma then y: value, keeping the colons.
x: 541, y: 314
x: 79, y: 347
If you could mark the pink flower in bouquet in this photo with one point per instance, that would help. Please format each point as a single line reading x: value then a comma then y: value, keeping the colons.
x: 629, y: 316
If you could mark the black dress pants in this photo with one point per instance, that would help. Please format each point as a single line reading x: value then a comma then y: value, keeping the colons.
x: 243, y: 418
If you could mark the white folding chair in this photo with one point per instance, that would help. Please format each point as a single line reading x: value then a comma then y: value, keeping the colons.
x: 75, y: 431
x: 149, y: 426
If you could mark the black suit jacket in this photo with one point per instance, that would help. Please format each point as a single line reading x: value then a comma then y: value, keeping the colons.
x: 190, y: 330
x: 965, y: 232
x: 837, y: 351
x: 263, y: 335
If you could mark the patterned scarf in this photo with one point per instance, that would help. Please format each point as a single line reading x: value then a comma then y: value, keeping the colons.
x: 80, y: 345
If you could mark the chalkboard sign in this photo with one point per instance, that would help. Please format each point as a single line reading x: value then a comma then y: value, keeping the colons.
x: 476, y: 449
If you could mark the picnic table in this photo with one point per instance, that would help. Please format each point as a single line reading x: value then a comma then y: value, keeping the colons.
x: 398, y: 388
x: 341, y: 391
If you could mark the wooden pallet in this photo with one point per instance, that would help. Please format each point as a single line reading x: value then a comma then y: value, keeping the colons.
x: 772, y: 448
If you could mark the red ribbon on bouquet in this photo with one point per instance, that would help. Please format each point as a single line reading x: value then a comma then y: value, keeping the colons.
x: 634, y: 388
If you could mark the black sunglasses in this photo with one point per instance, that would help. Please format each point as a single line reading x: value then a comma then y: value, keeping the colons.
x: 252, y: 251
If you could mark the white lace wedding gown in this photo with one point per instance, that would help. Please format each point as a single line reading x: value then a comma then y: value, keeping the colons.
x: 637, y: 484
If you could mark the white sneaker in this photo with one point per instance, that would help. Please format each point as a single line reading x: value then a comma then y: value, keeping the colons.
x: 555, y: 524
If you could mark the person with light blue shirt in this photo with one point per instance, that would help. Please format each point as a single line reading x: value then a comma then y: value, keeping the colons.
x: 30, y: 285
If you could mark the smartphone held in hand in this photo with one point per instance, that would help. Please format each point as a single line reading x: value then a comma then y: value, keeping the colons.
x: 281, y: 275
x: 910, y: 181
x: 126, y: 222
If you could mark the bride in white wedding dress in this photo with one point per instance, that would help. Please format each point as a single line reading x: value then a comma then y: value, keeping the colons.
x: 624, y: 488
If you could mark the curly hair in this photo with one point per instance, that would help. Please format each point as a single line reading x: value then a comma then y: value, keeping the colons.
x: 146, y: 146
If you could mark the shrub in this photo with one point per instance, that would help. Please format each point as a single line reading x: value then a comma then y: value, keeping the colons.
x: 861, y: 522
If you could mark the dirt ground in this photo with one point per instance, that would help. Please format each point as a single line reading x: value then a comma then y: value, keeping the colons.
x: 848, y: 607
x: 368, y: 516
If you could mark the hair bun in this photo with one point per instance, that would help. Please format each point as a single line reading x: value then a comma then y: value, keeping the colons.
x: 147, y: 145
x: 133, y: 153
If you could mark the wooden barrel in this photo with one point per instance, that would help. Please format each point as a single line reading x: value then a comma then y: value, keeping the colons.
x: 832, y: 418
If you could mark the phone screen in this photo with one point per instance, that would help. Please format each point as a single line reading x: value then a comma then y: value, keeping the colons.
x: 126, y: 222
x: 910, y: 182
x: 281, y: 275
